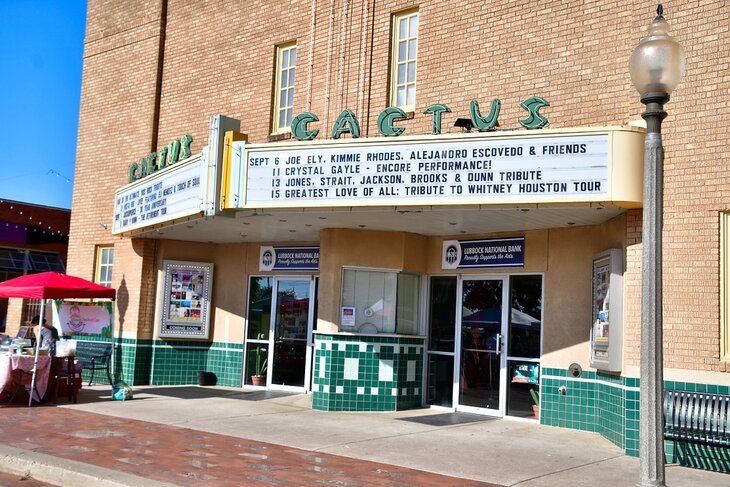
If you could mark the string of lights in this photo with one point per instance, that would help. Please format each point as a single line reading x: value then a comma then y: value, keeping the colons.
x: 58, y: 174
x: 28, y: 223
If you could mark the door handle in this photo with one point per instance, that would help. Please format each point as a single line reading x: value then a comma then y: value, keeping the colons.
x: 498, y: 345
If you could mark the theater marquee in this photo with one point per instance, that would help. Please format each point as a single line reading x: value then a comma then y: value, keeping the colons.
x: 560, y: 166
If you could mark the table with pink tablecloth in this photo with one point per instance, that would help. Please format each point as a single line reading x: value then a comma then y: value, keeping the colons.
x: 10, y: 362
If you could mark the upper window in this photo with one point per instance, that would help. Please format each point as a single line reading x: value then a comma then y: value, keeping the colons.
x: 725, y: 286
x: 47, y: 262
x: 104, y: 264
x: 286, y: 63
x: 403, y: 69
x: 13, y: 259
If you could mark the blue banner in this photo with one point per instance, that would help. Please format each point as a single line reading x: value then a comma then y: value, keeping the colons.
x: 483, y: 253
x: 279, y: 258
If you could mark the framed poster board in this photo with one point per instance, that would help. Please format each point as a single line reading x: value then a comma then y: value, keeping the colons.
x: 607, y: 311
x: 186, y: 299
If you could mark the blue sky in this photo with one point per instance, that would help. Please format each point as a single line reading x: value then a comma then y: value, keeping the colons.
x: 41, y: 53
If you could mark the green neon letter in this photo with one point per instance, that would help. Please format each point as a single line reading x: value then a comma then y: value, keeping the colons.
x: 185, y: 142
x: 488, y: 123
x: 437, y: 109
x: 174, y: 152
x: 299, y: 126
x: 133, y: 172
x: 162, y: 159
x: 534, y: 120
x: 152, y: 163
x: 143, y: 169
x: 386, y: 119
x: 346, y: 122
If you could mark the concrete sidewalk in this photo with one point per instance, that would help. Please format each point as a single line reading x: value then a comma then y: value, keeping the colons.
x: 470, y: 447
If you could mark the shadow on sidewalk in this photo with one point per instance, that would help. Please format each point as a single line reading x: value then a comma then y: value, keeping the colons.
x: 448, y: 419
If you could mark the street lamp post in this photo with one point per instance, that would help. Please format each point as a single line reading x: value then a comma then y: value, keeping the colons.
x: 657, y: 64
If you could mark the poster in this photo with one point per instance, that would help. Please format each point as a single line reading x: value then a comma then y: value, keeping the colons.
x: 601, y: 295
x: 186, y: 299
x: 606, y: 326
x: 526, y: 373
x: 83, y: 318
x: 347, y: 316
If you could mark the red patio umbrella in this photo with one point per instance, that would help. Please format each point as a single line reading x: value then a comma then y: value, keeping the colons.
x: 51, y: 285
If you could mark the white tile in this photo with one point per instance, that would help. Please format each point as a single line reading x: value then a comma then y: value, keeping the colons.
x: 322, y: 366
x: 376, y: 348
x: 315, y: 387
x: 394, y: 391
x: 352, y: 366
x: 385, y: 371
x: 403, y: 392
x: 326, y: 389
x: 411, y: 371
x: 363, y: 347
x: 415, y: 391
x: 339, y: 389
x: 361, y: 390
x: 374, y: 391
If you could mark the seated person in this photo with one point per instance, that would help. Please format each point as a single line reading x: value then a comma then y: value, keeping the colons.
x: 47, y: 335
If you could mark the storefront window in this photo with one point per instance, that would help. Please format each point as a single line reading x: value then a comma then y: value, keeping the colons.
x: 442, y: 309
x: 525, y: 317
x: 259, y: 308
x: 407, y: 305
x: 383, y: 302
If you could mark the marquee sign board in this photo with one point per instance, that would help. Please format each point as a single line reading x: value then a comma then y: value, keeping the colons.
x: 175, y: 192
x: 490, y: 170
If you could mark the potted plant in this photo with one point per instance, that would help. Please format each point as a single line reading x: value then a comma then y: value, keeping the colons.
x: 258, y: 378
x: 536, y: 399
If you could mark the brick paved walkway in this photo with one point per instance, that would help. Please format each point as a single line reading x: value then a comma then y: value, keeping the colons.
x: 186, y: 457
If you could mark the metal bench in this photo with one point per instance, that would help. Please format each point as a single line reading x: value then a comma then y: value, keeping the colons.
x: 95, y: 356
x: 697, y: 417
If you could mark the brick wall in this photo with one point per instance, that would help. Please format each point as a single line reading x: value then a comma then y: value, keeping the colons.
x: 219, y: 58
x: 116, y: 124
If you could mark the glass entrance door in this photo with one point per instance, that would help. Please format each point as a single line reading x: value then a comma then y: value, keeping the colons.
x: 292, y: 325
x: 482, y: 327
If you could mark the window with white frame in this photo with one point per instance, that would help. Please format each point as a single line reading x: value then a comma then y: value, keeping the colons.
x: 383, y: 301
x: 104, y: 265
x: 404, y: 55
x: 725, y: 286
x: 286, y: 62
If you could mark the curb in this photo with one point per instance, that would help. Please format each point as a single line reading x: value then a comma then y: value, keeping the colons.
x: 60, y: 471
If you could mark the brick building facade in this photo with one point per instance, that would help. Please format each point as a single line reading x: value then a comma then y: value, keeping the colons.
x: 33, y: 238
x: 157, y: 69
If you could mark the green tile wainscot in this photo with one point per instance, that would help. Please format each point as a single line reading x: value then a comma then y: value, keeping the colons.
x: 367, y: 372
x: 609, y: 404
